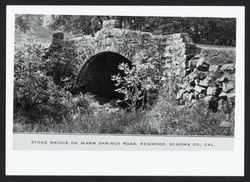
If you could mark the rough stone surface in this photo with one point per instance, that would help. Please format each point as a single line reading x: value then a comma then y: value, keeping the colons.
x: 204, y: 83
x: 222, y: 79
x: 190, y: 89
x: 212, y: 91
x: 58, y: 38
x: 228, y: 67
x: 213, y: 83
x: 213, y: 68
x: 188, y: 96
x: 202, y: 65
x: 223, y: 95
x: 226, y: 87
x: 199, y: 89
x: 230, y: 95
x: 110, y: 24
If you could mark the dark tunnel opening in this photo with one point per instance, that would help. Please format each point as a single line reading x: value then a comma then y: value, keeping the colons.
x: 95, y: 76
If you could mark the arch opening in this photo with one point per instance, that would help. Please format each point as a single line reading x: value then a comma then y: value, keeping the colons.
x: 95, y: 75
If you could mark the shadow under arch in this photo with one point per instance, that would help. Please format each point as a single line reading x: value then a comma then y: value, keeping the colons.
x: 95, y: 75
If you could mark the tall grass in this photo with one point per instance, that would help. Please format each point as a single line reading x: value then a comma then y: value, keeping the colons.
x: 165, y: 118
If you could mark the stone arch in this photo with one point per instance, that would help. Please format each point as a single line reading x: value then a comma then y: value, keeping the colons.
x: 95, y: 75
x: 172, y: 51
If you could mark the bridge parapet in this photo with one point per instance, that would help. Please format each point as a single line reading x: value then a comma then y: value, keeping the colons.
x: 110, y: 24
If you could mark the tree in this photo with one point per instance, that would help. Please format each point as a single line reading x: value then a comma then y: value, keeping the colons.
x: 76, y: 24
x: 217, y: 31
x: 25, y: 22
x: 22, y: 23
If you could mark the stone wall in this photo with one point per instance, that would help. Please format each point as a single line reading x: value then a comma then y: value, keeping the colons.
x: 210, y: 80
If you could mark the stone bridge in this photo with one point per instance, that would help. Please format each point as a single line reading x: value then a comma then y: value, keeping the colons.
x: 199, y: 72
x: 96, y: 58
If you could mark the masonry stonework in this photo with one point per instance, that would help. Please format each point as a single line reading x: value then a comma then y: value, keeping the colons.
x: 198, y: 77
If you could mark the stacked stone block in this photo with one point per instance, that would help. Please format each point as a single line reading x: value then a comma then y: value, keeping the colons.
x: 214, y: 84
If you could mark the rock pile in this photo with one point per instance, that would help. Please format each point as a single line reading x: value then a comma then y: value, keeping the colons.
x: 212, y: 83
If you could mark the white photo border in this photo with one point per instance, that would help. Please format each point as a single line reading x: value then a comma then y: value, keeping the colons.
x: 147, y: 163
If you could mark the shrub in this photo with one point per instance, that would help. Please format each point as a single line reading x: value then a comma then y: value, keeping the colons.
x: 136, y: 81
x: 35, y: 93
x: 58, y: 64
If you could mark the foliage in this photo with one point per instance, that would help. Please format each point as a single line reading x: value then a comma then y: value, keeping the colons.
x: 23, y: 22
x: 166, y: 118
x: 76, y: 24
x: 216, y: 31
x: 58, y: 64
x: 34, y: 91
x: 136, y: 81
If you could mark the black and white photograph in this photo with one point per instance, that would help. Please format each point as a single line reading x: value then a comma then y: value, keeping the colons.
x: 124, y: 75
x: 125, y: 90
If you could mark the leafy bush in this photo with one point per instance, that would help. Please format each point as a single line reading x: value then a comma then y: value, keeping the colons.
x: 34, y: 92
x: 136, y: 81
x: 58, y: 64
